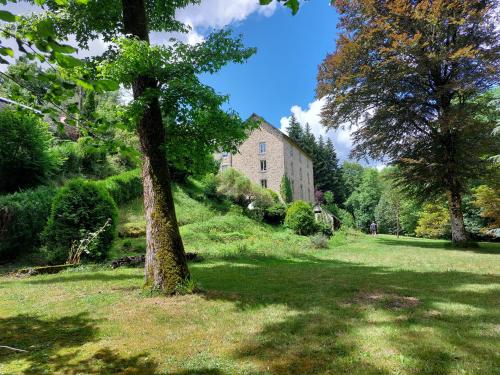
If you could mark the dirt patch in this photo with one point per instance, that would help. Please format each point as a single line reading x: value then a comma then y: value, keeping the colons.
x: 388, y: 300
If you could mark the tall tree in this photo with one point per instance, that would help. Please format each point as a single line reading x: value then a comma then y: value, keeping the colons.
x: 363, y: 202
x: 410, y: 73
x: 149, y: 71
x: 294, y: 130
x: 352, y: 174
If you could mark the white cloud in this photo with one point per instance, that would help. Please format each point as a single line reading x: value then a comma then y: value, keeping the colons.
x: 312, y: 115
x: 212, y: 14
x: 220, y: 13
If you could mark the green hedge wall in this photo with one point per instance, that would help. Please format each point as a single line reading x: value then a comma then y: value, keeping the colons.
x: 123, y: 187
x: 24, y: 215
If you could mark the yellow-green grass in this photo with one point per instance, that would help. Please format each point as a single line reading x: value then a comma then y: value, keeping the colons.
x: 272, y: 305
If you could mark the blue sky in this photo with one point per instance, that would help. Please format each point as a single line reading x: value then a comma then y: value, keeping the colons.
x: 283, y: 72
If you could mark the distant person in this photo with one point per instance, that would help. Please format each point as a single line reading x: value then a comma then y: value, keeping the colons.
x: 373, y: 228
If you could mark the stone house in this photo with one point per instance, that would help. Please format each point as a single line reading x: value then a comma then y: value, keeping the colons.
x: 267, y: 155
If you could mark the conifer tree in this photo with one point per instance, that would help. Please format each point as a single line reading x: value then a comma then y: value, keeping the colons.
x: 294, y: 130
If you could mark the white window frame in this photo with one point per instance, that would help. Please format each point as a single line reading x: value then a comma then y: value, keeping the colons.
x: 263, y: 165
x: 262, y: 147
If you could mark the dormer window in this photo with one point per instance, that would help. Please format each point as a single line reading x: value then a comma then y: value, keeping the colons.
x: 262, y: 147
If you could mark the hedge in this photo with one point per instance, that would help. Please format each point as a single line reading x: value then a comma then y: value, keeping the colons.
x: 123, y: 187
x: 24, y: 215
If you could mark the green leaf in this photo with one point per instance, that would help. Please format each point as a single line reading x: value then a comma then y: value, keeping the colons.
x: 84, y: 84
x: 7, y: 16
x: 45, y: 29
x: 106, y: 85
x: 293, y: 5
x: 62, y: 48
x: 61, y: 2
x: 67, y: 61
x: 6, y: 51
x: 265, y: 2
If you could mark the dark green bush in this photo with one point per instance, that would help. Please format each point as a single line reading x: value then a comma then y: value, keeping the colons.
x: 23, y: 216
x: 123, y: 187
x: 25, y: 157
x: 79, y: 208
x: 300, y: 218
x: 275, y: 214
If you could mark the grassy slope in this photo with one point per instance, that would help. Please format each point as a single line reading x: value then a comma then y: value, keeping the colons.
x: 272, y: 305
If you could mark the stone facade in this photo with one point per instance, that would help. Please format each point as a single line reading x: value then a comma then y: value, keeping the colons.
x: 267, y: 155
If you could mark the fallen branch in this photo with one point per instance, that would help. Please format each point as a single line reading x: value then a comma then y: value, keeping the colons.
x: 14, y: 349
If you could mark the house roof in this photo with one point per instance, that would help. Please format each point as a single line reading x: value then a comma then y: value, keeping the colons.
x: 257, y: 117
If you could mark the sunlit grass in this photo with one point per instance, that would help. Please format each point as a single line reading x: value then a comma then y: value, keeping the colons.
x: 272, y: 305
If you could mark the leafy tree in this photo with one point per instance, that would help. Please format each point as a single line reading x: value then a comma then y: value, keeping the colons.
x: 487, y: 199
x: 352, y: 175
x: 364, y: 200
x: 25, y: 156
x: 162, y: 79
x: 410, y: 73
x: 434, y: 222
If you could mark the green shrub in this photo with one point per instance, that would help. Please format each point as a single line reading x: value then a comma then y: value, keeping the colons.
x: 25, y: 157
x: 275, y: 214
x: 123, y: 187
x: 235, y: 186
x: 80, y: 207
x: 209, y: 186
x: 319, y: 241
x: 23, y: 216
x: 300, y: 218
x: 434, y: 222
x: 346, y: 218
x: 324, y: 228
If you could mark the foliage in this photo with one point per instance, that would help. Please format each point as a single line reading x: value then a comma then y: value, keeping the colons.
x: 346, y: 218
x: 363, y: 202
x: 23, y: 216
x: 300, y: 218
x: 434, y: 222
x: 352, y: 173
x: 286, y: 191
x: 25, y: 158
x: 319, y: 241
x: 487, y: 199
x: 412, y: 76
x: 79, y: 208
x: 123, y: 187
x: 275, y: 214
x: 327, y: 173
x: 235, y: 186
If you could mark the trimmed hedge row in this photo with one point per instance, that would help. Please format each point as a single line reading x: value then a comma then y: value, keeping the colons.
x: 123, y: 187
x: 24, y: 215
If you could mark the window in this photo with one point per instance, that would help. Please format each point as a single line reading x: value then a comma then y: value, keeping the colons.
x: 262, y: 147
x: 300, y: 173
x: 263, y: 166
x: 263, y: 183
x: 225, y: 154
x: 291, y: 167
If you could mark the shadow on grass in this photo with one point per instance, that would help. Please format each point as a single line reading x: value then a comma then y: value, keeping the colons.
x: 43, y: 339
x: 481, y: 248
x: 351, y: 318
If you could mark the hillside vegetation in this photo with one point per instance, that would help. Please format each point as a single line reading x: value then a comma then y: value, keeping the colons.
x: 269, y: 304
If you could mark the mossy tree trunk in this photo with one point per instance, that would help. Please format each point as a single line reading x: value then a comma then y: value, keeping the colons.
x: 166, y: 264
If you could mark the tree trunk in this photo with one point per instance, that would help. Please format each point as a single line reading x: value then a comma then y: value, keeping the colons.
x: 458, y: 233
x: 166, y: 264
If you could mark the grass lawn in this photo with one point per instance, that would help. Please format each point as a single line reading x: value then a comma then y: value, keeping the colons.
x: 272, y: 305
